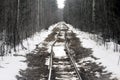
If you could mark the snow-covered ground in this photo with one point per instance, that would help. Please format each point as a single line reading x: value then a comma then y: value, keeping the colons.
x: 104, y: 53
x: 106, y: 56
x: 10, y: 65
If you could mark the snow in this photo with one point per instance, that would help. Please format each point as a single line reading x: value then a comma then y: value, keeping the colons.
x: 10, y: 65
x: 59, y: 47
x: 59, y: 51
x: 105, y: 53
x: 106, y: 56
x: 37, y: 38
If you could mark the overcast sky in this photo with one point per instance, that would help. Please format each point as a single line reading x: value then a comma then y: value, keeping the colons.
x: 60, y: 3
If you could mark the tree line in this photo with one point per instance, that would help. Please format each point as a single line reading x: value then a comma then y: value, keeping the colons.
x: 20, y: 19
x: 95, y: 16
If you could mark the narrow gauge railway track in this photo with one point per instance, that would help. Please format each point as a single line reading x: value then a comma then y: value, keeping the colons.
x: 67, y: 51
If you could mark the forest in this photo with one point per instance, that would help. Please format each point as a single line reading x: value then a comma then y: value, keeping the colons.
x: 60, y: 39
x: 100, y: 17
x: 20, y: 19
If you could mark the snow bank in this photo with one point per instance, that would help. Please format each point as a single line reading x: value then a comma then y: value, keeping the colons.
x: 11, y: 65
x: 106, y: 56
x: 30, y: 43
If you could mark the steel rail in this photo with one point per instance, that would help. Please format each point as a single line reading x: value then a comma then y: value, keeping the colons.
x: 68, y: 53
x: 71, y: 58
x: 51, y: 58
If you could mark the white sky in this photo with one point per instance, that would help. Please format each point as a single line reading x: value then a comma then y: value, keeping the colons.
x: 60, y: 3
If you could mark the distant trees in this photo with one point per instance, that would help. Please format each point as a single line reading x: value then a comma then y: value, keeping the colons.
x: 20, y: 19
x: 1, y: 15
x: 60, y: 14
x: 48, y: 12
x: 96, y: 16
